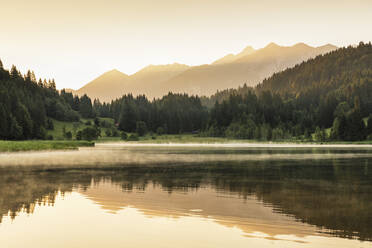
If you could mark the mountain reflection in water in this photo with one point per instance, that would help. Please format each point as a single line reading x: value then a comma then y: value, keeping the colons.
x: 271, y: 197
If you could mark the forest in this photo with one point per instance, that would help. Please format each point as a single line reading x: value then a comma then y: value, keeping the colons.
x: 328, y: 98
x: 27, y: 105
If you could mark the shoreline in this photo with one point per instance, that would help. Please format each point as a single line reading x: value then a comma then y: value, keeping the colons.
x: 233, y: 145
x: 52, y: 145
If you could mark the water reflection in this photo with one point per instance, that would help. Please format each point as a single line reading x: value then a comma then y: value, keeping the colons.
x: 273, y: 197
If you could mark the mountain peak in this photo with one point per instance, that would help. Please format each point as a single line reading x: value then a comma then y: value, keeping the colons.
x: 115, y: 72
x: 231, y: 57
x: 272, y: 45
x: 109, y: 79
x: 302, y: 45
x: 328, y: 46
x: 166, y: 67
x: 248, y: 49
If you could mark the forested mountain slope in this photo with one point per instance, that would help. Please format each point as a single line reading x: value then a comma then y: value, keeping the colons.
x: 333, y: 90
x: 344, y: 69
x: 27, y: 104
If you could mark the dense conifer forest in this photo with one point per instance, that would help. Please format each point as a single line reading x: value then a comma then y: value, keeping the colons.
x: 27, y: 105
x: 325, y: 98
x: 173, y: 113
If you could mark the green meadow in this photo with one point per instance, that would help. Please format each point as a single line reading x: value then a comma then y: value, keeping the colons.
x: 74, y: 127
x: 36, y: 145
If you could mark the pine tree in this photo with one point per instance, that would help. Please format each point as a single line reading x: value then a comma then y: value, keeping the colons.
x: 4, y: 125
x: 33, y: 77
x: 369, y: 126
x: 15, y: 130
x: 128, y: 118
x: 85, y: 107
x: 14, y: 72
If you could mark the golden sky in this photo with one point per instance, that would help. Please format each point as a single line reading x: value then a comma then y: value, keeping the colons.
x: 75, y: 41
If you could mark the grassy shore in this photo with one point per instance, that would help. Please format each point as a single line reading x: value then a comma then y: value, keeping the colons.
x: 192, y: 138
x: 36, y: 145
x: 171, y: 138
x: 186, y: 138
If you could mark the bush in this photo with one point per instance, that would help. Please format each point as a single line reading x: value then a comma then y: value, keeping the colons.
x: 49, y: 137
x: 265, y: 132
x: 277, y: 134
x: 89, y: 133
x: 240, y: 131
x: 96, y: 122
x: 133, y: 137
x: 68, y: 135
x: 213, y: 131
x: 160, y: 131
x: 40, y: 132
x: 114, y: 132
x: 71, y: 115
x: 108, y: 133
x: 123, y: 135
x: 88, y: 123
x: 320, y: 135
x: 49, y: 124
x: 105, y: 124
x: 79, y: 135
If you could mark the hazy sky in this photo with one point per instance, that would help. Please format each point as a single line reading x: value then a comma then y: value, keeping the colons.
x: 75, y: 41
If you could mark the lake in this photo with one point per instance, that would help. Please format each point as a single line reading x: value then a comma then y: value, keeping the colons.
x: 239, y: 195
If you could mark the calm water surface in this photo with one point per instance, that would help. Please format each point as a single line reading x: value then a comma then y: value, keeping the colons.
x: 117, y: 196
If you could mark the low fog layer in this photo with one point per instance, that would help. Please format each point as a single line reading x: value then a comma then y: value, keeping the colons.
x: 152, y: 155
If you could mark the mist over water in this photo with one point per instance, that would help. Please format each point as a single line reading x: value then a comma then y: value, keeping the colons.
x: 152, y: 154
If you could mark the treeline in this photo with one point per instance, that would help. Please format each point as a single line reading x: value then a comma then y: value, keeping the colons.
x: 173, y: 113
x: 267, y: 116
x: 224, y: 95
x: 27, y: 105
x: 330, y: 91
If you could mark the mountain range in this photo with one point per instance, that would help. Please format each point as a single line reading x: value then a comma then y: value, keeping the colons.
x: 249, y: 67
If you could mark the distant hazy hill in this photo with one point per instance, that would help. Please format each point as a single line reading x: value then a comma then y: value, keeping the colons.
x: 147, y: 80
x: 107, y: 86
x: 250, y: 67
x: 114, y: 84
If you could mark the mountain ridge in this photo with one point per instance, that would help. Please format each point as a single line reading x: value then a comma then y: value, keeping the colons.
x: 249, y: 66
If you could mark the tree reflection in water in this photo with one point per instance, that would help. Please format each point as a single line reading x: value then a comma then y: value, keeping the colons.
x: 332, y: 194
